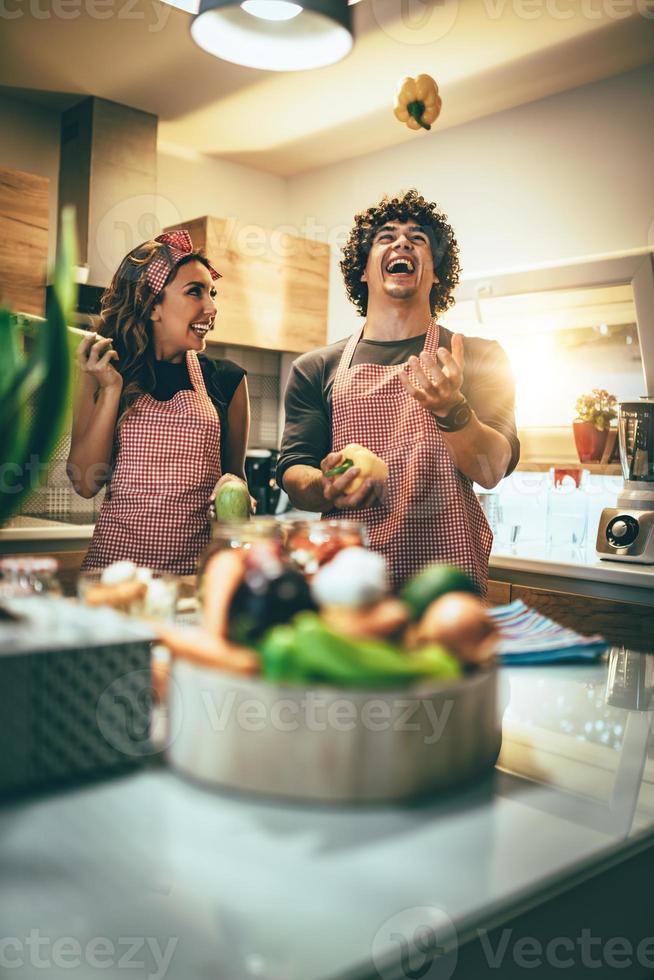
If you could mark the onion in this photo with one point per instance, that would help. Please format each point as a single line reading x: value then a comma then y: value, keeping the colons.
x: 382, y: 619
x: 355, y: 577
x: 459, y: 622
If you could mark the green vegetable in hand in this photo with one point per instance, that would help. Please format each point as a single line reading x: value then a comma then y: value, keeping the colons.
x: 233, y: 502
x: 370, y: 465
x: 343, y: 468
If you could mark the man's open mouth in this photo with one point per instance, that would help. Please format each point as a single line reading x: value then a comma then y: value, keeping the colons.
x: 400, y: 267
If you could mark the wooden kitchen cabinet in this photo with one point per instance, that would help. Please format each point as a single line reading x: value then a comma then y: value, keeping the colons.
x: 274, y: 289
x: 69, y: 563
x: 499, y: 593
x: 23, y: 241
x: 622, y: 623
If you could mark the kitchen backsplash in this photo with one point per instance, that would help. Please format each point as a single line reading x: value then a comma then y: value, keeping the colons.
x: 263, y: 368
x: 56, y: 499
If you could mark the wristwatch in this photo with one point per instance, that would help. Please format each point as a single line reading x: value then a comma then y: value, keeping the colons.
x: 457, y: 418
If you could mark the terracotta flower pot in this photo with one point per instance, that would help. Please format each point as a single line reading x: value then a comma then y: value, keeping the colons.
x: 590, y: 442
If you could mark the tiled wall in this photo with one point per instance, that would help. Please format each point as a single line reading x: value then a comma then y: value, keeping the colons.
x: 56, y: 499
x: 263, y: 368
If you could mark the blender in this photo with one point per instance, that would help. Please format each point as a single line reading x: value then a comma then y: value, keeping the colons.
x: 626, y: 532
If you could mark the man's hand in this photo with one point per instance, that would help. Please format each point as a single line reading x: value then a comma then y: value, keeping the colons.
x: 371, y: 493
x: 440, y: 380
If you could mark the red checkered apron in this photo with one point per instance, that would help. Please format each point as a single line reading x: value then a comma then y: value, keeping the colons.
x: 432, y: 513
x: 167, y: 464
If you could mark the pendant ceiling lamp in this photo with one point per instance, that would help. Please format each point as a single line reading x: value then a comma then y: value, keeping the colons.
x: 277, y: 35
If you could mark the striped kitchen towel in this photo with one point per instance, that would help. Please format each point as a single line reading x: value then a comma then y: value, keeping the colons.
x: 527, y: 637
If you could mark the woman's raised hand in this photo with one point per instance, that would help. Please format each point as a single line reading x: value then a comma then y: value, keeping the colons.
x: 95, y: 358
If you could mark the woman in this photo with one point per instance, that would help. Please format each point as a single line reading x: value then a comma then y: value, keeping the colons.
x: 153, y: 420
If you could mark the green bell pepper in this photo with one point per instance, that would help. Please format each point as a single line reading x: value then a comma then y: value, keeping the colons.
x: 307, y: 651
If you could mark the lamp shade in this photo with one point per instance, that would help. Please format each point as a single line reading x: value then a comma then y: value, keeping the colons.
x: 276, y: 35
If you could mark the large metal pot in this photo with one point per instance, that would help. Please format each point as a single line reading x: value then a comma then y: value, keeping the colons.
x: 331, y: 744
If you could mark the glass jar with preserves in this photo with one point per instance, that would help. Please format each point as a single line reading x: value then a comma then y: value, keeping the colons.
x: 24, y: 575
x: 310, y: 544
x: 242, y: 535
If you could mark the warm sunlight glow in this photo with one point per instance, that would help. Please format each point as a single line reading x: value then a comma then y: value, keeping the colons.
x: 551, y: 371
x: 536, y: 374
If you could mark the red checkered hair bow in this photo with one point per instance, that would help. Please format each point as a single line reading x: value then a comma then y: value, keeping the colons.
x: 178, y: 245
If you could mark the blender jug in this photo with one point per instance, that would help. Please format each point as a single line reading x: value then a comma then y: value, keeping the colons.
x: 636, y: 439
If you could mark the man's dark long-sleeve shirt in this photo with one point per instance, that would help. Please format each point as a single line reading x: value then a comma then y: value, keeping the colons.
x: 487, y: 384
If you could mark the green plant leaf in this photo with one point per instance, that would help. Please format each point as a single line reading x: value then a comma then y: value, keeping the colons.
x: 44, y: 377
x: 50, y: 407
x: 10, y: 350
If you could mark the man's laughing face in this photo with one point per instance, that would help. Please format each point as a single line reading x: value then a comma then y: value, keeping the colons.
x: 400, y: 263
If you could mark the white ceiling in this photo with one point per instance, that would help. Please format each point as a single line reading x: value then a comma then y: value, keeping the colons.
x: 487, y: 55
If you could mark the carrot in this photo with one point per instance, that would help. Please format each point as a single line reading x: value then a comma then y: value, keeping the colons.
x: 160, y: 676
x: 120, y: 596
x: 201, y: 647
x: 223, y: 574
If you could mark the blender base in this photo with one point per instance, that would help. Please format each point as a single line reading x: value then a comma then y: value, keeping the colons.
x: 626, y: 535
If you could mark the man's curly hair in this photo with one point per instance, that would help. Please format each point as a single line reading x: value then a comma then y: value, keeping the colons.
x: 406, y: 207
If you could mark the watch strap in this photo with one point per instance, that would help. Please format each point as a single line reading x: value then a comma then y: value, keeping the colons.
x: 456, y: 419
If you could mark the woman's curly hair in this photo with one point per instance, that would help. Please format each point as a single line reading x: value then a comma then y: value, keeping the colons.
x: 408, y: 206
x: 125, y: 310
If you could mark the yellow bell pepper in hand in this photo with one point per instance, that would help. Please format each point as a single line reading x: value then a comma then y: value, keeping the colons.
x: 370, y: 465
x: 417, y: 102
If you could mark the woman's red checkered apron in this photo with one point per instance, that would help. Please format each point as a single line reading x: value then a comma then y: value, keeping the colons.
x: 432, y: 513
x: 167, y: 464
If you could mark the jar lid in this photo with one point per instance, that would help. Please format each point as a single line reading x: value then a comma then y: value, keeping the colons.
x: 29, y: 564
x: 574, y: 472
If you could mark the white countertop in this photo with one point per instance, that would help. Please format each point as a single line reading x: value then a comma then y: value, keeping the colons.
x: 531, y: 557
x: 575, y: 565
x: 22, y: 528
x: 250, y: 888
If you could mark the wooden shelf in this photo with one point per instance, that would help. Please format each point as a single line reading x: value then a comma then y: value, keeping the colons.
x: 275, y: 288
x: 23, y: 240
x: 542, y: 466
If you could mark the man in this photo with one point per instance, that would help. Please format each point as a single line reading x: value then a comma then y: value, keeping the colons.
x: 436, y: 408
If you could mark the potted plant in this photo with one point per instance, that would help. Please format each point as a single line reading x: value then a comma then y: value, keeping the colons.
x: 34, y: 386
x: 595, y: 412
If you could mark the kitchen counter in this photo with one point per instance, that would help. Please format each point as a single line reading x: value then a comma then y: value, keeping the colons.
x: 25, y: 533
x: 235, y: 888
x: 573, y: 567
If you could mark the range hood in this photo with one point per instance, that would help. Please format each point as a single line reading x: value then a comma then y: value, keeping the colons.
x: 108, y: 171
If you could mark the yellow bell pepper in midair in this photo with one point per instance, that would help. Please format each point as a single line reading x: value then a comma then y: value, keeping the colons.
x: 417, y: 102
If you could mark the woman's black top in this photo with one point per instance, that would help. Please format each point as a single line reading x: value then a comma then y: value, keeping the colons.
x: 221, y: 379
